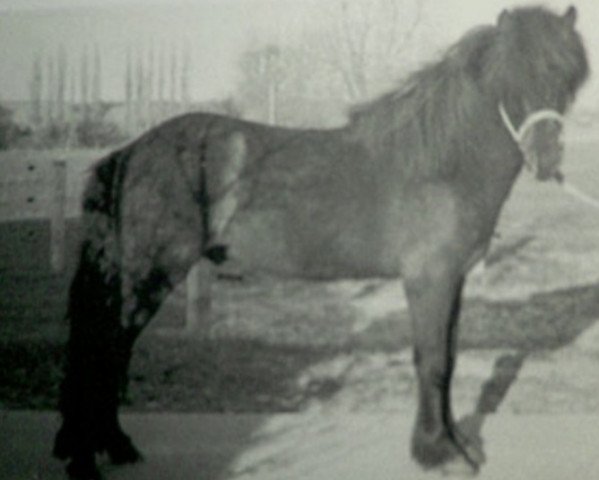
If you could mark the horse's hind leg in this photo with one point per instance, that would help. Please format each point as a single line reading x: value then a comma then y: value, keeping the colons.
x: 145, y: 285
x: 434, y: 298
x: 89, y: 391
x: 117, y: 444
x: 99, y: 353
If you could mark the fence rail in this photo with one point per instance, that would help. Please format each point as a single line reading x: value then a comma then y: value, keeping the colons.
x: 36, y: 187
x: 30, y: 188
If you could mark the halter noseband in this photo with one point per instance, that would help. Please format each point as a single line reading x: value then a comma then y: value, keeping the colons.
x: 529, y: 122
x: 518, y: 136
x: 532, y: 119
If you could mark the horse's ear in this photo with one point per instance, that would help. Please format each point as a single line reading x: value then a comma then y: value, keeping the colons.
x: 570, y: 16
x: 504, y: 18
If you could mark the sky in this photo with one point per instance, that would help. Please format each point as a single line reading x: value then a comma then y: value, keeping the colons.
x: 217, y: 31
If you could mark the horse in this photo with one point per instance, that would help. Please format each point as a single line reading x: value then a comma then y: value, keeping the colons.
x: 410, y: 187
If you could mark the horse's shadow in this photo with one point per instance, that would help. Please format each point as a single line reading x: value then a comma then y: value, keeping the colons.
x: 492, y: 394
x: 580, y: 305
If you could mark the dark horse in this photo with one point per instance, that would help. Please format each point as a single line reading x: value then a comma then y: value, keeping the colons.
x: 412, y: 186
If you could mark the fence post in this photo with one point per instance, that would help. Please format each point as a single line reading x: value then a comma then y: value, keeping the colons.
x: 57, y: 217
x: 199, y: 298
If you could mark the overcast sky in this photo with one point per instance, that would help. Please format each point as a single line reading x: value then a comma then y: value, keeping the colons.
x: 217, y: 30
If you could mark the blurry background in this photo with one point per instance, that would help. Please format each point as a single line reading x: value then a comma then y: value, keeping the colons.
x: 91, y: 73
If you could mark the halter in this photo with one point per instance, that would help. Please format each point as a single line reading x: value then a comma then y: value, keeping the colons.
x: 518, y: 136
x: 529, y: 122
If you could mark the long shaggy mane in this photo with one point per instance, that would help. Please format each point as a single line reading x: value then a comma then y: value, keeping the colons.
x: 530, y: 59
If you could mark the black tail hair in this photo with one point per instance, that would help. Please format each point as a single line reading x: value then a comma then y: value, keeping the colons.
x: 90, y: 389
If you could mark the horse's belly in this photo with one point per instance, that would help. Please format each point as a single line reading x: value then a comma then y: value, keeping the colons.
x: 288, y: 245
x: 257, y: 241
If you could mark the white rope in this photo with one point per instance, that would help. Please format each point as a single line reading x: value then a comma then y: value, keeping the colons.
x: 509, y: 125
x: 539, y: 116
x: 580, y: 195
x: 518, y: 136
x: 535, y: 117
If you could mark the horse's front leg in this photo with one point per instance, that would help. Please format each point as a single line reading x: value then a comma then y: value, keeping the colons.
x: 470, y: 442
x: 434, y: 295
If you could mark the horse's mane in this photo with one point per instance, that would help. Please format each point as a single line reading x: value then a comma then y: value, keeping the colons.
x: 431, y: 119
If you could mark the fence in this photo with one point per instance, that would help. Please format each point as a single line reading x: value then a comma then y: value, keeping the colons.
x: 36, y: 188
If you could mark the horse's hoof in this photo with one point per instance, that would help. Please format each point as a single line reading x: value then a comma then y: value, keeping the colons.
x: 447, y: 454
x: 83, y: 469
x: 459, y: 467
x: 471, y: 446
x: 121, y: 450
x: 474, y: 453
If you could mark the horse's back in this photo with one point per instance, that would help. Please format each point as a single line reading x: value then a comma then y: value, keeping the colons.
x: 312, y: 205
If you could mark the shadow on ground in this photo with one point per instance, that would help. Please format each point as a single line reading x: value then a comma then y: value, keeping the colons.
x: 492, y: 394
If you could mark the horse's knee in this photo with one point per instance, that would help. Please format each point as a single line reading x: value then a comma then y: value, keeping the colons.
x: 432, y: 366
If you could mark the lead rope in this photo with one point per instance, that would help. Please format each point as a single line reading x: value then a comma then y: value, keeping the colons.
x: 518, y: 136
x: 579, y: 194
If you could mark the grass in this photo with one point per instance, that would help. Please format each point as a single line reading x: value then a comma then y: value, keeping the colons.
x: 30, y: 373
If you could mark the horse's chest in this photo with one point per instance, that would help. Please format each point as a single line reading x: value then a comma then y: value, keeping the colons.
x: 431, y: 224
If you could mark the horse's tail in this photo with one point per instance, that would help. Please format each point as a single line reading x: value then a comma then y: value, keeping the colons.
x: 96, y: 284
x: 90, y: 388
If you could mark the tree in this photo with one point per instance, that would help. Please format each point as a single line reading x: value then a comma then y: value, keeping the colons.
x: 51, y: 91
x: 71, y: 139
x: 96, y: 131
x: 61, y: 78
x: 9, y: 130
x: 160, y: 87
x: 35, y: 91
x: 128, y: 92
x: 358, y: 50
x: 96, y: 84
x: 263, y: 74
x: 185, y: 74
x: 366, y: 42
x: 84, y: 84
x: 58, y: 121
x: 149, y: 87
x: 139, y: 91
x: 173, y: 81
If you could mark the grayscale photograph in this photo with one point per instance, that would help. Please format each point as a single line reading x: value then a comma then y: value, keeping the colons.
x: 299, y: 239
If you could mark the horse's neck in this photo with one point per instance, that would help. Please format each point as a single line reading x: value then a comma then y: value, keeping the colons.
x: 489, y: 176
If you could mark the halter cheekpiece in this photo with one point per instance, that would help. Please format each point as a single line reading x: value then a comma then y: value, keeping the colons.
x: 518, y: 134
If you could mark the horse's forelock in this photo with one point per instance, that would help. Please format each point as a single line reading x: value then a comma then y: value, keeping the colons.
x: 537, y: 57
